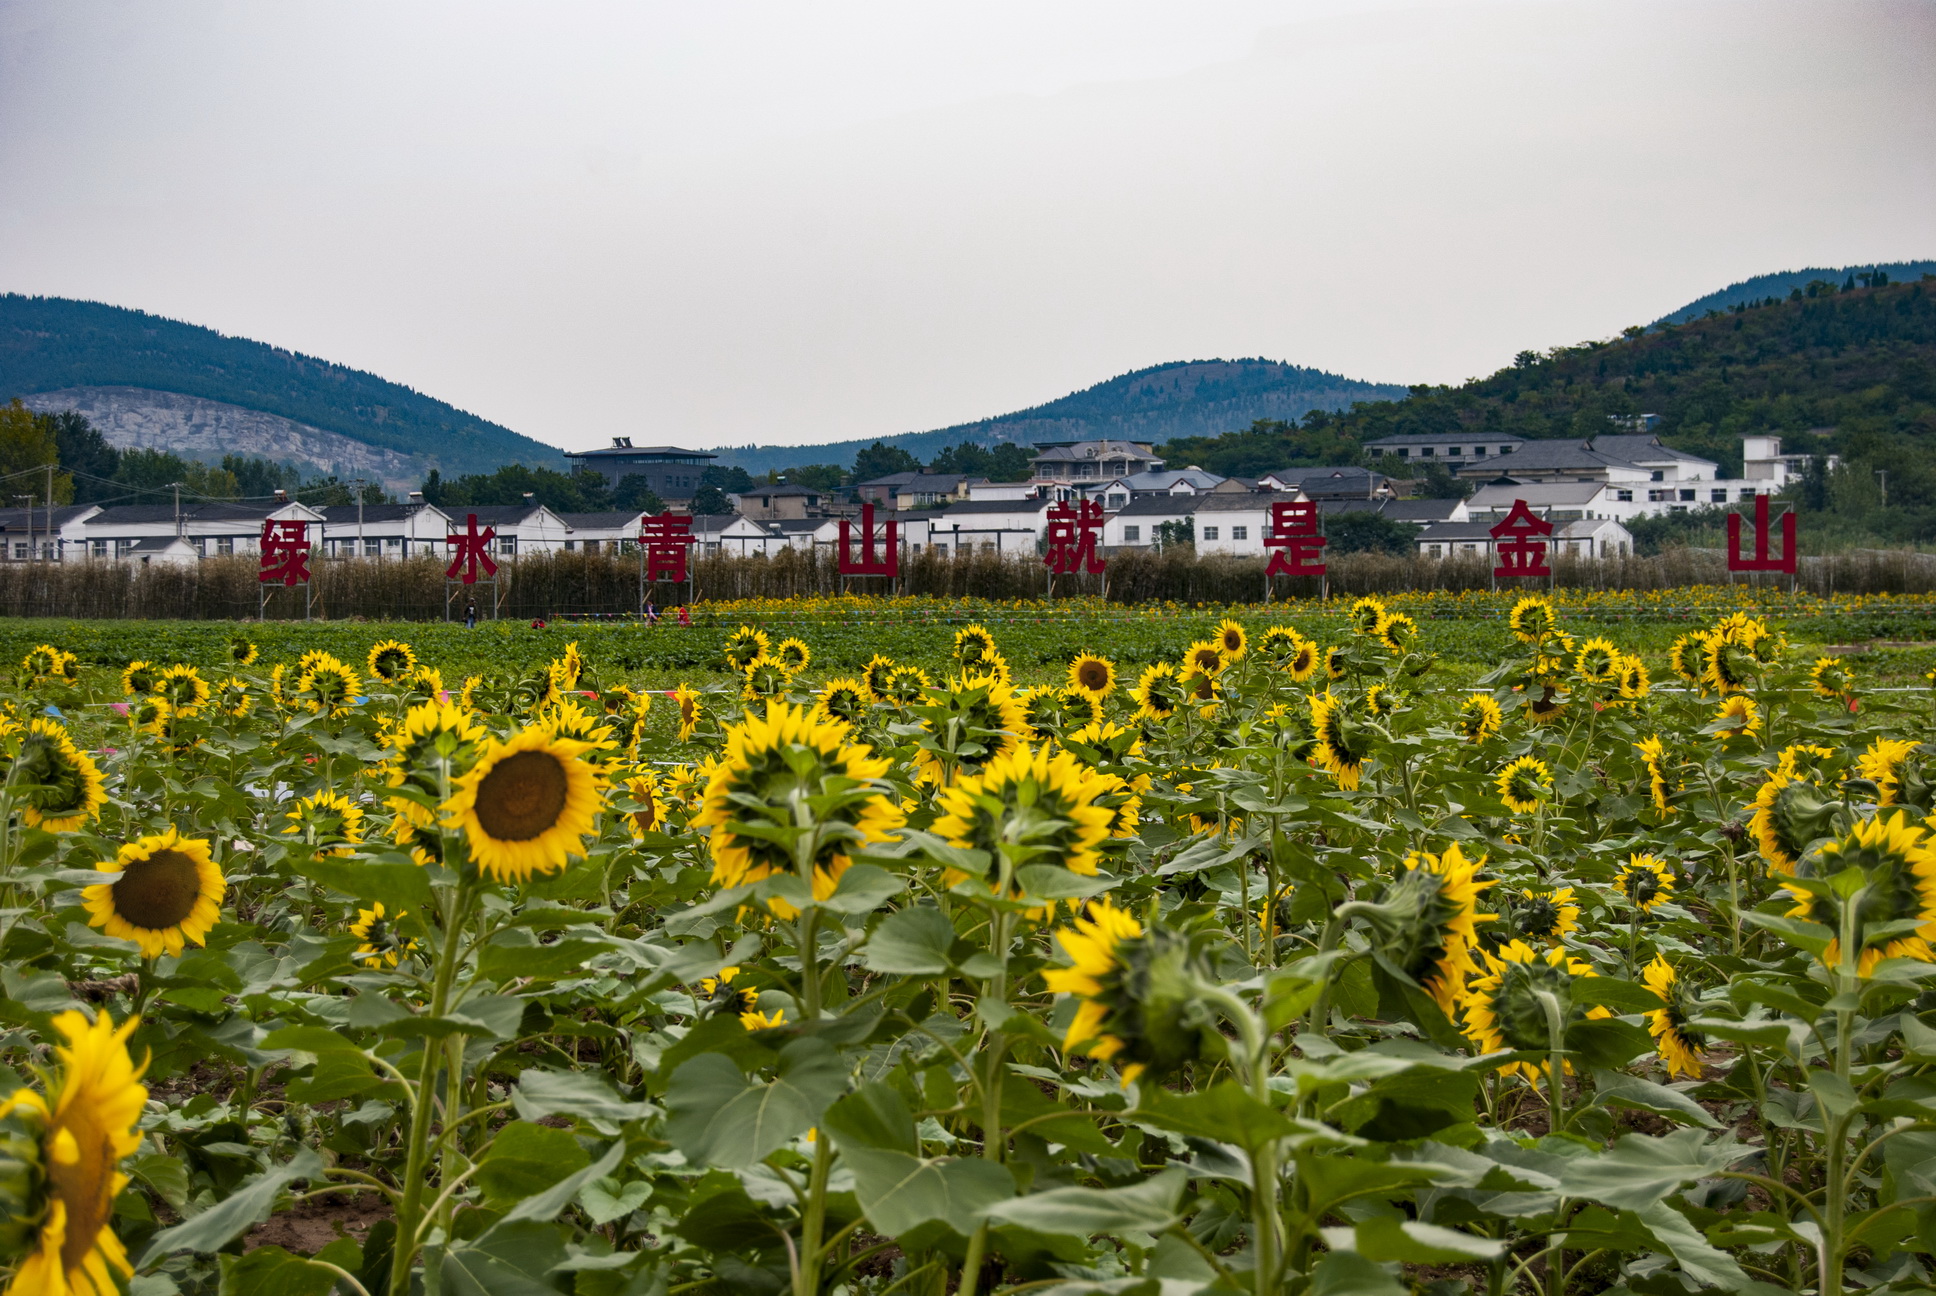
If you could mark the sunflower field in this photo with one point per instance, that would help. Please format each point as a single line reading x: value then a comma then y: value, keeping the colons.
x: 1289, y: 963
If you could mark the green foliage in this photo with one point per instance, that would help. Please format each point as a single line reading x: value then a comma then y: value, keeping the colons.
x: 582, y: 490
x: 1006, y: 461
x: 883, y: 460
x: 1266, y: 445
x: 1368, y: 532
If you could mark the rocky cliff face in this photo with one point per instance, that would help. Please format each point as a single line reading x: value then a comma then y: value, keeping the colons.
x: 134, y: 417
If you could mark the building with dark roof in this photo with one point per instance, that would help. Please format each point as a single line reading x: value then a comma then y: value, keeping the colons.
x: 670, y: 472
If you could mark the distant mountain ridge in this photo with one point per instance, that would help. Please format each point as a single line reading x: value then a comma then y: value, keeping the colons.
x: 91, y: 355
x: 1784, y: 282
x: 1161, y: 403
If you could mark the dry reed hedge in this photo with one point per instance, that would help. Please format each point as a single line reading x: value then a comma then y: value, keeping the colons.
x: 550, y: 584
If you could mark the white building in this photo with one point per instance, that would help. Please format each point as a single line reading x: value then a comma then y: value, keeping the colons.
x: 1763, y: 461
x: 1235, y: 525
x: 1095, y: 460
x: 39, y: 534
x: 521, y: 528
x: 1560, y: 501
x: 993, y: 526
x: 1453, y: 449
x: 612, y: 531
x: 1139, y: 524
x: 1583, y: 538
x: 382, y: 530
x: 210, y: 527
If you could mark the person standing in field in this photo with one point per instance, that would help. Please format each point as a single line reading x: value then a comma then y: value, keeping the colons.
x: 470, y: 615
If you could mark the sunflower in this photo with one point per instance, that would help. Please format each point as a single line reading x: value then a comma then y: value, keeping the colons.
x: 1503, y: 1007
x: 56, y: 785
x: 1397, y: 631
x: 1545, y: 708
x: 846, y: 700
x: 1679, y: 1047
x: 187, y: 692
x: 1646, y: 881
x: 1532, y: 619
x: 1731, y: 666
x: 1738, y: 717
x: 569, y: 720
x: 1688, y: 656
x: 1632, y: 679
x: 793, y: 655
x: 643, y: 786
x: 74, y: 1138
x: 765, y: 678
x: 1899, y: 871
x: 907, y: 685
x: 1097, y: 675
x: 1231, y: 639
x: 43, y: 662
x: 138, y: 679
x: 691, y: 712
x: 1045, y: 709
x: 527, y: 804
x: 164, y: 894
x: 1882, y: 763
x: 1279, y: 644
x: 1336, y: 663
x: 1525, y: 785
x: 1139, y: 994
x: 381, y: 944
x: 233, y: 699
x: 391, y: 660
x: 571, y: 667
x: 430, y: 735
x: 745, y: 646
x: 423, y: 840
x: 1789, y: 813
x: 327, y: 687
x: 241, y: 651
x: 278, y: 686
x: 976, y: 719
x: 1365, y: 615
x: 771, y: 766
x: 1480, y: 717
x: 1158, y: 693
x: 1832, y: 678
x: 1344, y: 743
x: 1204, y: 657
x: 1546, y: 914
x: 1303, y: 662
x: 875, y: 675
x: 1653, y: 754
x: 1807, y: 760
x: 1030, y: 806
x: 467, y: 696
x: 1428, y: 921
x: 1379, y: 699
x: 328, y: 821
x: 973, y: 646
x: 1598, y: 662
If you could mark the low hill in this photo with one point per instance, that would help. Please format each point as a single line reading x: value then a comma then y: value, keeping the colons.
x: 1762, y: 287
x: 154, y: 382
x: 1190, y: 399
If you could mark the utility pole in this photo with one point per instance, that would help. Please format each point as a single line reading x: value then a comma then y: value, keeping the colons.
x: 179, y: 532
x: 1882, y: 474
x: 49, y: 554
x: 359, y: 516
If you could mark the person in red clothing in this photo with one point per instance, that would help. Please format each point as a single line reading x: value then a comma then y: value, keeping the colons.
x: 685, y: 615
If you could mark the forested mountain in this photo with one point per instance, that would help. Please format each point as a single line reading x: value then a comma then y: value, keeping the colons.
x: 102, y: 359
x: 1762, y: 287
x: 1191, y: 398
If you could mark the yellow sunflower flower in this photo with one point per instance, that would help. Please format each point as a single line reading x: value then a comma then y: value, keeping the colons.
x: 1138, y: 992
x: 1365, y: 614
x: 875, y: 675
x: 1344, y: 743
x: 1653, y: 754
x: 391, y: 660
x: 1525, y: 785
x: 1882, y: 762
x: 184, y: 688
x: 1899, y: 869
x: 691, y: 711
x: 164, y: 893
x: 1548, y: 914
x: 1158, y: 693
x: 329, y: 822
x: 1503, y: 1008
x: 1397, y: 632
x: 138, y: 679
x: 527, y: 805
x: 57, y: 786
x: 1738, y: 717
x: 745, y: 646
x: 1532, y: 619
x: 1646, y: 881
x: 1231, y: 640
x: 642, y: 785
x: 1303, y: 663
x: 1688, y: 656
x: 1034, y: 807
x: 380, y: 943
x: 973, y: 646
x: 1679, y: 1048
x: 327, y: 687
x: 1480, y: 717
x: 845, y: 700
x: 1429, y: 921
x: 1094, y: 675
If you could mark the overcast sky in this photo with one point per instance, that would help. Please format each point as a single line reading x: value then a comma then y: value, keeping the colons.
x: 727, y: 221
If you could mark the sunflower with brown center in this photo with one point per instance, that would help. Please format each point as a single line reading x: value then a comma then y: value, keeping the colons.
x: 649, y: 812
x: 1304, y: 662
x: 527, y: 805
x: 771, y: 766
x: 691, y: 712
x: 67, y: 1145
x: 1028, y: 807
x: 1094, y: 675
x: 1204, y: 657
x: 1231, y: 640
x: 164, y: 894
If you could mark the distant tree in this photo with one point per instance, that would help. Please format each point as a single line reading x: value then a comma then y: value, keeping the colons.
x: 1003, y: 462
x: 1183, y: 531
x: 1369, y: 533
x: 1435, y: 481
x: 260, y: 479
x: 434, y: 491
x: 820, y: 477
x: 1265, y: 445
x: 26, y: 443
x: 727, y: 480
x: 84, y: 452
x: 633, y: 492
x: 711, y: 499
x: 883, y: 460
x: 583, y: 490
x: 147, y: 470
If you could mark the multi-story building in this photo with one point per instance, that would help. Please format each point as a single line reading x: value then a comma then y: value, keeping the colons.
x: 1075, y: 460
x: 670, y: 472
x: 1453, y: 449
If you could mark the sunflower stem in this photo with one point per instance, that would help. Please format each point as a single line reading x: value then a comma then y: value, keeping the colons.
x: 1264, y: 1181
x: 1556, y: 1121
x: 1848, y: 983
x: 814, y: 1222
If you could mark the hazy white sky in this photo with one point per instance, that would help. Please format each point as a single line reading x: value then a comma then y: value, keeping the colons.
x: 766, y: 220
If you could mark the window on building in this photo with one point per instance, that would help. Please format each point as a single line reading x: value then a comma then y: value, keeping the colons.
x: 1478, y: 452
x: 1426, y: 453
x: 121, y: 547
x: 1432, y: 551
x: 1687, y: 494
x: 1239, y: 533
x: 941, y: 549
x: 372, y: 547
x: 1454, y: 452
x: 1209, y: 533
x: 1132, y: 534
x: 1625, y: 496
x: 1657, y: 475
x: 1117, y: 500
x: 507, y: 545
x: 1719, y: 496
x: 1655, y: 497
x: 20, y: 551
x: 570, y: 545
x: 225, y: 545
x: 1404, y: 452
x: 201, y: 547
x: 394, y: 542
x: 99, y: 548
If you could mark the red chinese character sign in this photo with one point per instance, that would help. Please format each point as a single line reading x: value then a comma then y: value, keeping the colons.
x: 1072, y: 538
x: 866, y: 564
x: 1519, y: 553
x: 472, y: 551
x: 1761, y: 562
x: 285, y: 553
x: 1294, y: 535
x: 665, y: 540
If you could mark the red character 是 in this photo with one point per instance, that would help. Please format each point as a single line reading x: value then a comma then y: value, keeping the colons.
x: 1072, y: 538
x: 1294, y: 534
x: 285, y: 553
x: 470, y: 546
x: 665, y: 539
x: 1522, y: 555
x: 888, y: 564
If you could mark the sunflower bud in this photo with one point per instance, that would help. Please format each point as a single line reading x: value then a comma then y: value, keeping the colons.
x: 22, y: 1191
